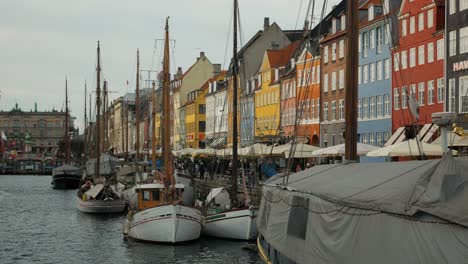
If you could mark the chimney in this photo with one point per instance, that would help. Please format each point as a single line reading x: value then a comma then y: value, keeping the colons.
x: 216, y: 69
x: 202, y: 54
x: 266, y: 24
x: 179, y: 73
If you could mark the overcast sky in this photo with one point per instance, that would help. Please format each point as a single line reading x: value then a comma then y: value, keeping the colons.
x: 42, y: 41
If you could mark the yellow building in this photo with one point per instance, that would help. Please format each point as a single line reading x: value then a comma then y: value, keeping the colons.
x: 267, y: 94
x: 195, y: 118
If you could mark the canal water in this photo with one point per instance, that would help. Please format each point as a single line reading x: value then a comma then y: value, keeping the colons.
x: 41, y: 225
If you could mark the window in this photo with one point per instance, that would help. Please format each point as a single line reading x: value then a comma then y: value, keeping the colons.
x: 412, y: 57
x: 379, y: 70
x: 155, y: 195
x: 341, y: 109
x: 387, y: 105
x: 360, y: 43
x: 452, y: 95
x: 404, y: 97
x: 453, y: 43
x: 453, y: 7
x: 359, y: 108
x: 421, y: 21
x: 387, y: 68
x: 312, y: 106
x: 379, y: 105
x: 396, y: 61
x: 379, y: 40
x: 421, y: 88
x: 325, y: 82
x: 430, y: 52
x: 359, y: 75
x: 341, y: 77
x: 386, y: 33
x: 333, y: 84
x: 430, y: 18
x: 404, y: 27
x: 371, y: 13
x: 372, y: 72
x: 463, y: 40
x: 333, y: 110
x: 412, y: 25
x: 372, y: 107
x: 421, y: 57
x: 365, y: 109
x: 334, y: 26
x: 343, y: 22
x: 371, y: 139
x: 404, y: 59
x: 413, y: 92
x: 146, y: 195
x: 365, y: 74
x: 430, y: 92
x: 365, y: 138
x: 334, y: 51
x: 201, y: 109
x: 463, y: 94
x: 325, y: 111
x: 341, y: 49
x: 463, y: 5
x: 318, y: 108
x: 372, y: 39
x: 379, y: 140
x: 325, y: 54
x: 440, y: 90
x: 365, y: 44
x: 440, y: 49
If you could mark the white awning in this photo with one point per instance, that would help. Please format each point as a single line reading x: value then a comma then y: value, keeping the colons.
x: 430, y: 133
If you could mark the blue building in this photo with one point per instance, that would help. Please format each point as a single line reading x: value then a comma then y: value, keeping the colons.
x: 375, y: 80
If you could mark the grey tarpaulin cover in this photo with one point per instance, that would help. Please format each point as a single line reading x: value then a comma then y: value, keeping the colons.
x: 66, y: 169
x: 403, y: 212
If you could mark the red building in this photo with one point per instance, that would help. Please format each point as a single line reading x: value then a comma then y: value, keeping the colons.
x: 418, y: 64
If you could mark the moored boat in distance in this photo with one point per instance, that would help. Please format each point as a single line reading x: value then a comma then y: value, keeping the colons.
x: 66, y: 177
x: 223, y: 222
x: 100, y: 199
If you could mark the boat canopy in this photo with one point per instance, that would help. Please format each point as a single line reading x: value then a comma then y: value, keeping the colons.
x: 220, y: 196
x: 156, y: 186
x: 417, y: 207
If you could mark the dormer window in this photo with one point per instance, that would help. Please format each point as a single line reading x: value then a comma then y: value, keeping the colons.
x: 334, y: 26
x: 371, y: 13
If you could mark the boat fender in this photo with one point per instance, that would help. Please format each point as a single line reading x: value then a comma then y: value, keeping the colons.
x: 84, y: 198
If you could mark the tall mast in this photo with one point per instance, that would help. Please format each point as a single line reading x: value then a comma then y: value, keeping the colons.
x: 98, y: 113
x: 137, y: 106
x: 122, y: 130
x: 153, y: 133
x: 166, y: 111
x: 105, y: 116
x: 351, y: 94
x: 126, y: 130
x: 85, y: 121
x: 235, y: 64
x: 67, y: 125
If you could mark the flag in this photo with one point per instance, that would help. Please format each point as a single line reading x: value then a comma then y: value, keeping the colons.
x: 4, y: 138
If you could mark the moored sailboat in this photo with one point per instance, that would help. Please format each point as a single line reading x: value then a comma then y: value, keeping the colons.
x: 220, y: 220
x: 66, y: 176
x: 103, y: 196
x: 161, y: 215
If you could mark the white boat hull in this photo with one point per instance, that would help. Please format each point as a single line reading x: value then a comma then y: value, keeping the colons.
x: 165, y: 224
x: 101, y: 206
x: 235, y: 224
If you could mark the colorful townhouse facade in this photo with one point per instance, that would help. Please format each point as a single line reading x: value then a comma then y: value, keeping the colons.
x: 457, y: 59
x: 250, y: 60
x: 375, y: 72
x: 308, y: 95
x: 418, y: 68
x: 195, y: 118
x: 333, y: 64
x: 216, y: 112
x: 267, y: 94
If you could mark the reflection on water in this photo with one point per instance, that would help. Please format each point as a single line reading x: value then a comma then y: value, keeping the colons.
x: 42, y: 225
